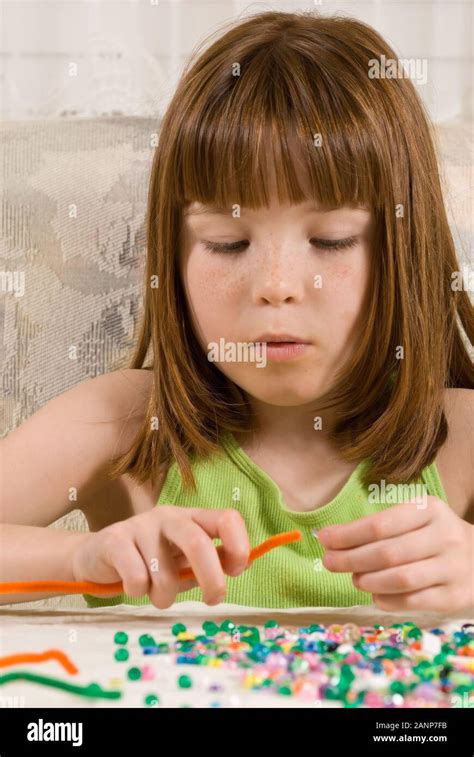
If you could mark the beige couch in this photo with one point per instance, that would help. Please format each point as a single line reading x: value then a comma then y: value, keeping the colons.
x: 73, y: 249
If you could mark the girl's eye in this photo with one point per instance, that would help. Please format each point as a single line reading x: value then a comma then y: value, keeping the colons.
x: 334, y: 244
x: 226, y: 246
x: 322, y: 244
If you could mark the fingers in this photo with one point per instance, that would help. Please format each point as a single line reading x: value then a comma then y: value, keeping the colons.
x: 229, y: 527
x: 201, y: 553
x: 148, y: 559
x: 394, y: 521
x: 126, y: 559
x: 387, y: 553
x: 433, y: 598
x: 164, y: 585
x: 404, y: 578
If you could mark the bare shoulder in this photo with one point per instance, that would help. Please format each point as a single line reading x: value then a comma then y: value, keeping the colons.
x: 66, y: 445
x: 455, y: 457
x: 129, y: 389
x: 128, y: 392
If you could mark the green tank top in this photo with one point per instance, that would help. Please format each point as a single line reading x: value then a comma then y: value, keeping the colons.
x: 291, y: 575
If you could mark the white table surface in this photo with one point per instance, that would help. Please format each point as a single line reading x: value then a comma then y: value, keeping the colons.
x: 87, y: 637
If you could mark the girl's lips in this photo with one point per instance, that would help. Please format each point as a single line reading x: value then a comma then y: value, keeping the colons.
x: 279, y: 351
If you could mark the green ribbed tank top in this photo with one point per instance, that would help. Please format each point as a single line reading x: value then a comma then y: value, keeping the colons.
x: 289, y: 576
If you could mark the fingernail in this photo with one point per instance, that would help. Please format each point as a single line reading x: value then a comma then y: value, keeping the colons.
x: 319, y: 533
x: 216, y: 600
x: 239, y: 569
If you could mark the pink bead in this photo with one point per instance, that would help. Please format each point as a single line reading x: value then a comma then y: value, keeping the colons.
x: 148, y: 673
x: 372, y: 699
x: 352, y: 658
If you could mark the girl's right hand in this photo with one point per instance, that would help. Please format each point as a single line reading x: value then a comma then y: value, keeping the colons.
x: 146, y: 552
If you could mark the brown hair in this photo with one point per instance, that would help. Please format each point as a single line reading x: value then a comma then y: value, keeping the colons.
x: 300, y: 75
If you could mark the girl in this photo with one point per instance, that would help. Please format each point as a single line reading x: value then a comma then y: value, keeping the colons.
x: 309, y: 362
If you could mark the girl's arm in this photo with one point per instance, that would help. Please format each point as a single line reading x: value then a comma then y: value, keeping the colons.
x: 29, y: 553
x: 54, y: 463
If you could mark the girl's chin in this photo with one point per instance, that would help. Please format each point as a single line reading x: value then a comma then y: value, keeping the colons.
x: 284, y: 396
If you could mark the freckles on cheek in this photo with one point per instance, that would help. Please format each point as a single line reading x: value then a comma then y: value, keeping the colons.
x: 346, y: 279
x: 213, y: 290
x: 344, y: 287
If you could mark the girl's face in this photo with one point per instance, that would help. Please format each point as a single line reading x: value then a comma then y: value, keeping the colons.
x: 286, y: 275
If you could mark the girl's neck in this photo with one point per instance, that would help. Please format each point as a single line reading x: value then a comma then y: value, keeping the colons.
x: 295, y: 427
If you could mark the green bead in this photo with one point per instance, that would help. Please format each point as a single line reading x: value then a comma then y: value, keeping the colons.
x: 251, y: 635
x: 121, y: 655
x: 152, y: 700
x: 271, y: 624
x: 347, y: 673
x: 415, y: 633
x: 391, y: 653
x: 178, y: 628
x: 446, y: 648
x: 184, y: 682
x: 285, y: 690
x: 121, y: 637
x: 210, y: 628
x: 397, y: 687
x: 145, y: 640
x: 134, y: 674
x: 227, y: 625
x: 424, y: 670
x: 332, y: 692
x: 184, y: 646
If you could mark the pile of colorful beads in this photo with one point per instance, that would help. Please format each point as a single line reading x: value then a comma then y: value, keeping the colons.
x: 396, y: 666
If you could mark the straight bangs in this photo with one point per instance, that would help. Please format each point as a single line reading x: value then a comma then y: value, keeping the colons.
x: 279, y: 113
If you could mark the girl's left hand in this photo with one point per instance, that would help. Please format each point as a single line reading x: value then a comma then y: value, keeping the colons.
x: 408, y: 557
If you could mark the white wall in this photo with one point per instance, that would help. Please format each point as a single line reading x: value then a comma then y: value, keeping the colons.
x: 89, y: 57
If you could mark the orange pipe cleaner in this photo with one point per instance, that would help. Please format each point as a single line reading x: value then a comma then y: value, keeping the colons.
x: 49, y: 654
x: 85, y: 587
